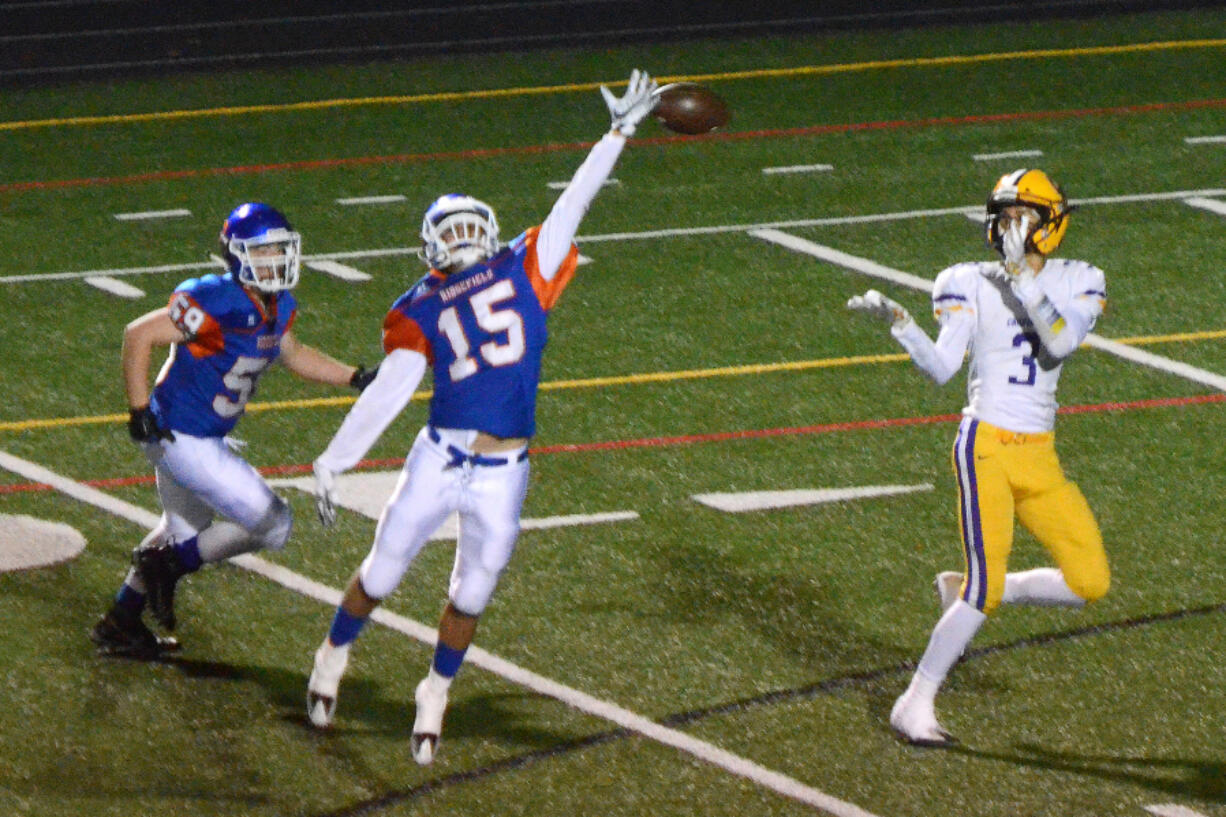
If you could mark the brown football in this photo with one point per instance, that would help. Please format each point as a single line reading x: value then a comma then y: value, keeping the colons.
x: 687, y: 107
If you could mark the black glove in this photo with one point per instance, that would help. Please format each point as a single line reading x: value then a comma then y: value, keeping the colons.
x: 362, y: 377
x: 143, y: 427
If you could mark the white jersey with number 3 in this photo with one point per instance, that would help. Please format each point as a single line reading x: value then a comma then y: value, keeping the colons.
x: 1012, y: 379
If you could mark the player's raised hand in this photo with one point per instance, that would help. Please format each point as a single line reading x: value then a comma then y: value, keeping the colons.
x: 628, y: 110
x: 325, y: 494
x: 1013, y: 243
x: 879, y: 306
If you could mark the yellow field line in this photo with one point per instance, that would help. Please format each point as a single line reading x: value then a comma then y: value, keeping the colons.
x: 726, y: 76
x: 591, y: 382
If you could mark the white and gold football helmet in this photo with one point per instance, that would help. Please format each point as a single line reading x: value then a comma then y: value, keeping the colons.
x: 1033, y: 189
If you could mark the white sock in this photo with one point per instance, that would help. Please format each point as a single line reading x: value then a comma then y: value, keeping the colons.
x: 923, y: 687
x: 440, y: 683
x: 333, y: 656
x: 948, y: 641
x: 1042, y: 587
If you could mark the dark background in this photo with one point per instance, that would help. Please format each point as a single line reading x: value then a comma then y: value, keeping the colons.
x: 50, y: 41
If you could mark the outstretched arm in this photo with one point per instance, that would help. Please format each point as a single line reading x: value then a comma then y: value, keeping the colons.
x: 311, y: 364
x: 942, y: 359
x: 939, y: 360
x: 385, y: 397
x: 559, y: 228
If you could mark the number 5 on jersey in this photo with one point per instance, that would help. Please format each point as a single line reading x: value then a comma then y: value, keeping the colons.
x: 491, y: 321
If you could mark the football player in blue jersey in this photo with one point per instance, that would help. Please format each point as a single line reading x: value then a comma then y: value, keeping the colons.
x: 224, y: 331
x: 477, y: 320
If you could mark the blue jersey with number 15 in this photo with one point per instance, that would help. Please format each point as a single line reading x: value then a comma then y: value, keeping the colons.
x: 232, y: 337
x: 483, y: 330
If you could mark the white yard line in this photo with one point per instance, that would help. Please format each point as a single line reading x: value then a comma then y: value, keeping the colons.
x: 1009, y: 154
x: 1212, y: 205
x: 743, y: 767
x: 116, y: 271
x: 797, y: 169
x: 337, y: 270
x: 680, y: 232
x: 1172, y: 810
x: 744, y: 501
x: 372, y: 200
x: 875, y: 270
x: 841, y: 259
x: 115, y: 287
x: 1205, y: 140
x: 208, y: 266
x: 152, y: 214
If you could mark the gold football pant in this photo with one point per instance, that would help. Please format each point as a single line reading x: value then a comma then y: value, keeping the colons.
x: 1002, y: 473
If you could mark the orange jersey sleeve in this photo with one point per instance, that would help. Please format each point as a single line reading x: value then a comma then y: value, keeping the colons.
x: 204, y: 335
x: 402, y: 332
x: 547, y: 292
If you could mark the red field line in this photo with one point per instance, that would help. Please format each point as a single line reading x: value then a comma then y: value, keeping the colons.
x: 527, y: 150
x: 686, y: 439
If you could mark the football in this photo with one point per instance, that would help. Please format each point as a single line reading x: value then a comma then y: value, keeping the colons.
x: 690, y: 108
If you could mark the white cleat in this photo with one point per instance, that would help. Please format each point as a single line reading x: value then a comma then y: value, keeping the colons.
x: 428, y: 725
x: 330, y: 663
x: 914, y: 719
x: 948, y: 584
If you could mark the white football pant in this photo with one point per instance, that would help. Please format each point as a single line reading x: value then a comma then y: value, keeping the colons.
x: 198, y: 477
x: 439, y: 477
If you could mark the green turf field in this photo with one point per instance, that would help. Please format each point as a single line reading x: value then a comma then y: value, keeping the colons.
x: 746, y: 662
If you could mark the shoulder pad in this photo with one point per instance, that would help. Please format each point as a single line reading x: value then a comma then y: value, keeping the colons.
x: 958, y: 275
x: 516, y: 243
x: 210, y: 291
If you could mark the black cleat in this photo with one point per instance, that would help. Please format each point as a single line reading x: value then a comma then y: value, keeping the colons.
x: 123, y: 634
x: 159, y: 568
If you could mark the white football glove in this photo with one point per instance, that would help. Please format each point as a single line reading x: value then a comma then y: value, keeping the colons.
x: 628, y: 110
x: 1021, y: 274
x: 875, y: 304
x: 325, y: 494
x: 1013, y: 242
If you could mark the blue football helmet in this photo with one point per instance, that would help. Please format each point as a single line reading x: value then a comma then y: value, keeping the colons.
x: 260, y: 248
x: 457, y: 232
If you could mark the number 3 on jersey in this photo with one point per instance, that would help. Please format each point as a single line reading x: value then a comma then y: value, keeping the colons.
x: 1027, y: 360
x: 491, y: 321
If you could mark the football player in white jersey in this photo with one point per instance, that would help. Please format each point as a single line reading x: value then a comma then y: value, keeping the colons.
x: 478, y: 319
x: 1020, y: 317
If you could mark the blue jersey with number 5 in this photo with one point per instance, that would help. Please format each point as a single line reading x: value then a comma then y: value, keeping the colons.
x: 232, y: 337
x: 483, y: 331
